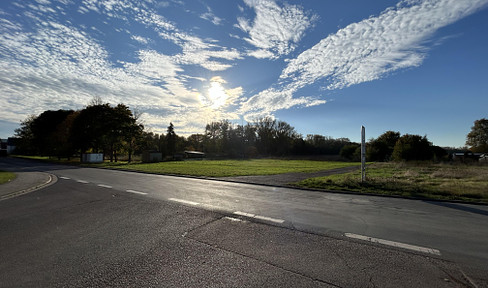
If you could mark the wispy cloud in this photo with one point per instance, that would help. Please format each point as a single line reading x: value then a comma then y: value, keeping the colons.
x: 210, y: 16
x: 275, y: 30
x: 370, y: 49
x: 396, y: 39
x: 51, y: 64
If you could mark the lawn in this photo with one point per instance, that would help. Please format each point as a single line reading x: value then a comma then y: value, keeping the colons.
x: 422, y: 180
x: 228, y: 168
x: 6, y: 176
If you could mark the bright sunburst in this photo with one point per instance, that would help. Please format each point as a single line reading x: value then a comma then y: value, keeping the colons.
x: 216, y: 96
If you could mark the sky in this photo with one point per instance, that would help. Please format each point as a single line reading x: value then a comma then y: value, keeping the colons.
x: 325, y: 67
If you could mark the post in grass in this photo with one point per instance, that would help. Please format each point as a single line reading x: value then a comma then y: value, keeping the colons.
x: 363, y: 154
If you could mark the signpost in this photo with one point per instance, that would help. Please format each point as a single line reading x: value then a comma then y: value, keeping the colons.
x: 363, y: 154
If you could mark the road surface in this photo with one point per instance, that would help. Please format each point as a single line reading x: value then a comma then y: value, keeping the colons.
x: 450, y: 232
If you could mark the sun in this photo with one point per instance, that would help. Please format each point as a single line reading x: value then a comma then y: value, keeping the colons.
x: 217, y: 95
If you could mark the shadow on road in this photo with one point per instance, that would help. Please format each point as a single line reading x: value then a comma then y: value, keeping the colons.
x: 462, y: 207
x: 13, y: 164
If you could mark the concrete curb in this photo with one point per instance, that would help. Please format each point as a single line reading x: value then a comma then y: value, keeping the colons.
x: 52, y: 179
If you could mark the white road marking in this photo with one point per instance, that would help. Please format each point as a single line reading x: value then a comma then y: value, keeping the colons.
x: 136, y: 192
x: 244, y: 214
x: 104, y: 186
x: 233, y: 219
x: 394, y: 244
x: 275, y: 220
x: 65, y: 178
x: 269, y: 219
x: 210, y: 207
x: 183, y: 201
x: 82, y: 181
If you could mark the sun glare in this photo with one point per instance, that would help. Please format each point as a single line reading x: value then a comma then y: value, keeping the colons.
x: 217, y: 95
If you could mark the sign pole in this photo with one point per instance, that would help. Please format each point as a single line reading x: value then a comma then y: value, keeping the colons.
x: 363, y: 154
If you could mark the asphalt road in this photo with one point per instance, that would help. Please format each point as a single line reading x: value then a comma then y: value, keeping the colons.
x: 98, y: 227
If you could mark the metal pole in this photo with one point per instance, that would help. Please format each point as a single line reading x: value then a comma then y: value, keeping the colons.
x: 363, y: 154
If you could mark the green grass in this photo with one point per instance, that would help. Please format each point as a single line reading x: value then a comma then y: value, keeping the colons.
x: 6, y: 176
x: 422, y: 180
x: 228, y: 168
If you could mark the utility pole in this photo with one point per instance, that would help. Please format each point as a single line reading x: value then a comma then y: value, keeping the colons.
x: 363, y: 155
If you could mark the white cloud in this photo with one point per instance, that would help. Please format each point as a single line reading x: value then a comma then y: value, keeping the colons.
x: 210, y: 16
x: 266, y: 102
x: 140, y: 39
x: 275, y: 30
x: 374, y: 47
x: 362, y: 52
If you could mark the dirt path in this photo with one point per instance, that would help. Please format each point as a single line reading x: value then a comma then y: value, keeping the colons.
x: 287, y: 178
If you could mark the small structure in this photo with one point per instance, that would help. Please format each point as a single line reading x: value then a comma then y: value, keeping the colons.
x: 11, y: 144
x: 484, y: 158
x: 3, y: 147
x: 92, y: 158
x: 151, y: 156
x: 466, y: 157
x: 194, y: 155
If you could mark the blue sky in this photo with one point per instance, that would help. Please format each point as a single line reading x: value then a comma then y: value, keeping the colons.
x: 325, y: 67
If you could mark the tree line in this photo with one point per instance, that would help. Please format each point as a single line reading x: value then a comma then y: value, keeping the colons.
x: 116, y: 130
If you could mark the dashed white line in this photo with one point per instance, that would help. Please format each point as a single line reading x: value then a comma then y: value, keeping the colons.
x: 269, y: 219
x: 104, y: 186
x: 233, y: 219
x: 65, y: 178
x: 244, y: 214
x: 184, y: 201
x: 394, y: 244
x: 82, y: 181
x: 265, y: 218
x: 136, y: 192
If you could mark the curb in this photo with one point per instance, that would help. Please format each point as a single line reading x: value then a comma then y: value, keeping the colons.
x: 52, y: 179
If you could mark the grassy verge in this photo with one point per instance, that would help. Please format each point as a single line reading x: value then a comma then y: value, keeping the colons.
x: 433, y: 181
x: 6, y: 176
x: 229, y: 168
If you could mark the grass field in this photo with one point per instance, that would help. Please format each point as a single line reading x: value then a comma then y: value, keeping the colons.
x: 228, y: 168
x: 6, y: 176
x: 433, y: 181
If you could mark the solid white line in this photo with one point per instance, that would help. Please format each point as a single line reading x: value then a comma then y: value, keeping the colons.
x: 394, y: 244
x: 65, y: 178
x: 82, y: 181
x: 104, y: 186
x: 136, y: 192
x: 184, y: 201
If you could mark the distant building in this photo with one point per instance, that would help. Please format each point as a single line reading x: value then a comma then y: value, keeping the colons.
x: 11, y: 144
x: 3, y: 147
x: 484, y: 158
x: 467, y: 156
x: 194, y: 155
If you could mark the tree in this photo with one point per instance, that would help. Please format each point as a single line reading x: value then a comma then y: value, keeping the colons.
x: 381, y: 148
x: 477, y: 139
x: 101, y: 127
x: 412, y: 147
x: 171, y: 139
x: 26, y: 143
x: 39, y: 134
x: 351, y: 151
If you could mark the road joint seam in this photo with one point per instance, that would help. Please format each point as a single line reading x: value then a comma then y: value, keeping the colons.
x: 257, y: 259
